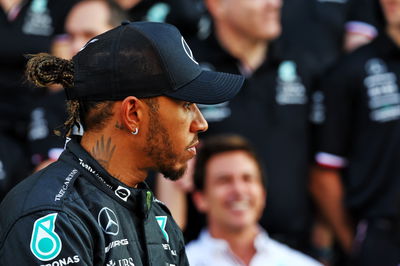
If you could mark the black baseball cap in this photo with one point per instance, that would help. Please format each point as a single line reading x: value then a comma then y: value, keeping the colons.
x: 146, y: 59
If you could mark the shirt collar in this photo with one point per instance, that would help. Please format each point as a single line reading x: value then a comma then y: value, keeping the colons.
x: 219, y: 54
x: 140, y: 198
x: 261, y: 241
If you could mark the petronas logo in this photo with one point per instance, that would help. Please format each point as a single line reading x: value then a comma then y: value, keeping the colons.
x: 45, y: 243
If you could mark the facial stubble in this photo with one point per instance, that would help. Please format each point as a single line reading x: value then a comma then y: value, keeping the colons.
x: 160, y: 149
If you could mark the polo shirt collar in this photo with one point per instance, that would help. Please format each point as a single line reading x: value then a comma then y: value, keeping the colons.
x: 261, y: 242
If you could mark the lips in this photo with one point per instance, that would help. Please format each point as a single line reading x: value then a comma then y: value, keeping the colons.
x: 192, y: 146
x: 239, y: 206
x: 192, y: 150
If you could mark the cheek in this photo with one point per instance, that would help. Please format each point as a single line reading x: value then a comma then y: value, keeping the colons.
x: 259, y: 196
x: 218, y: 196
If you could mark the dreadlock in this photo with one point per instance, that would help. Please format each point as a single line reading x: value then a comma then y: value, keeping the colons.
x: 44, y: 69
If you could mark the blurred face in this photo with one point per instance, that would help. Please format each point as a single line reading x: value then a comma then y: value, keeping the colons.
x: 233, y: 196
x: 85, y: 21
x: 258, y: 19
x: 172, y: 135
x: 391, y: 10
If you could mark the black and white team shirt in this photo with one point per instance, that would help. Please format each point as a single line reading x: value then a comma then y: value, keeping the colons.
x: 271, y: 111
x: 75, y: 213
x: 317, y: 28
x: 361, y: 134
x: 28, y: 28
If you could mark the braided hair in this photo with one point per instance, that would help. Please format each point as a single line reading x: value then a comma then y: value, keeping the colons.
x: 43, y: 70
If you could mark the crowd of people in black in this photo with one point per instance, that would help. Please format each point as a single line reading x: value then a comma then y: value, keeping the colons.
x: 320, y: 105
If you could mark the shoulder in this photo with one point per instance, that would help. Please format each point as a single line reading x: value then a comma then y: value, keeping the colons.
x: 46, y: 235
x: 204, y: 244
x: 167, y: 223
x: 161, y: 206
x: 48, y: 189
x: 292, y: 256
x: 194, y: 246
x: 354, y: 63
x: 197, y: 252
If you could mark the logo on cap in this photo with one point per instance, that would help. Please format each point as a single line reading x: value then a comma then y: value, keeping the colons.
x: 108, y: 221
x: 187, y: 50
x: 122, y: 193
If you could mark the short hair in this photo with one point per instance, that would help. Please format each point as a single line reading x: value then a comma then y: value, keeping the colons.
x: 219, y: 144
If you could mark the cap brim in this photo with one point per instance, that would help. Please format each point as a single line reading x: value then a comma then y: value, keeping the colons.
x: 209, y: 87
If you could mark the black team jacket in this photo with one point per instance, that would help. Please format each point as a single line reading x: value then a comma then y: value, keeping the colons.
x: 74, y: 212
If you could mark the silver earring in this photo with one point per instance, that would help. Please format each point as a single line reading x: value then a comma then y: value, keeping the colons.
x: 135, y: 132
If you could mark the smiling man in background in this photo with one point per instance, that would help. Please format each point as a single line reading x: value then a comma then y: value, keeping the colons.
x: 229, y: 190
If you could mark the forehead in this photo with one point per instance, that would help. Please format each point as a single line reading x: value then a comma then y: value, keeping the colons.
x: 88, y: 15
x: 231, y: 163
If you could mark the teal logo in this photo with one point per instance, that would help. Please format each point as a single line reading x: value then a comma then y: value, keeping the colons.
x: 287, y: 71
x: 45, y: 242
x: 162, y: 222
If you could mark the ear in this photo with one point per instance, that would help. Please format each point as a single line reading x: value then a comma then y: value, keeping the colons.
x: 131, y: 113
x: 215, y: 7
x: 200, y: 201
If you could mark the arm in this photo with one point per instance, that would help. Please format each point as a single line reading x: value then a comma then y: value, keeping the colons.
x: 361, y: 25
x: 327, y: 190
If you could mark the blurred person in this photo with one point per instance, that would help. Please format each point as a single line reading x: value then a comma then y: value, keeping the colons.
x: 134, y: 90
x: 85, y: 20
x: 30, y: 26
x: 271, y: 110
x: 229, y: 189
x: 12, y: 168
x: 356, y: 181
x: 89, y: 18
x: 184, y: 14
x: 322, y: 32
x: 333, y: 28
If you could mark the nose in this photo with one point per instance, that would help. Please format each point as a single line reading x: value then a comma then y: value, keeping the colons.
x: 238, y: 187
x: 199, y: 123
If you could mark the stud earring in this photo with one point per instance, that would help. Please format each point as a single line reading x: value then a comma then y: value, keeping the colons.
x: 135, y: 132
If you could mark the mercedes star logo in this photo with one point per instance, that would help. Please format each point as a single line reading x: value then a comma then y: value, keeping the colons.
x: 108, y: 221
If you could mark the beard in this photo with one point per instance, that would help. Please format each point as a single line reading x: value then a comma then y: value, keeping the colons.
x: 160, y: 149
x: 172, y: 174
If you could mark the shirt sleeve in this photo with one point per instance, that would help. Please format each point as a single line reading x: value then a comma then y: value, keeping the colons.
x: 47, y: 238
x: 334, y: 137
x: 362, y: 17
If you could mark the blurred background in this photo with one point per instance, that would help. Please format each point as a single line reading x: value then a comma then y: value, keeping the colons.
x: 320, y: 105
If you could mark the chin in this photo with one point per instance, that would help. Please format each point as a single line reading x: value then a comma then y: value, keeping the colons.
x: 273, y: 33
x: 241, y: 226
x: 173, y: 173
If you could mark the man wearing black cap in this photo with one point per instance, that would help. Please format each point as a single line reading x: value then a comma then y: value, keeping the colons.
x: 133, y: 89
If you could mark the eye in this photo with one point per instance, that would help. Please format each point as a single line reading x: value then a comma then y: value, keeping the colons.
x: 187, y: 105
